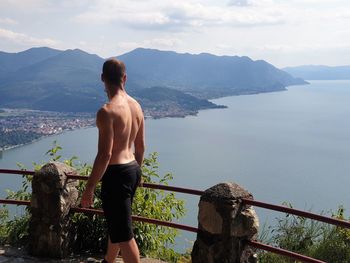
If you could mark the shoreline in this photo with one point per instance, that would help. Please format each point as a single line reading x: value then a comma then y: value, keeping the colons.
x: 2, y: 150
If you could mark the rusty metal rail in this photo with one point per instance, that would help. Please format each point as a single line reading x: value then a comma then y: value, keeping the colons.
x: 254, y: 244
x: 150, y: 185
x: 147, y: 185
x: 14, y: 202
x: 8, y: 171
x: 278, y: 208
x: 288, y: 210
x: 140, y: 219
x: 282, y: 252
x: 100, y: 212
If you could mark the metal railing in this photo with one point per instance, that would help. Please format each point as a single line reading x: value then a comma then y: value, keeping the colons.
x: 255, y: 244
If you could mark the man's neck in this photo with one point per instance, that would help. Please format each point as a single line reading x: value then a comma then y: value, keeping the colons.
x: 115, y: 91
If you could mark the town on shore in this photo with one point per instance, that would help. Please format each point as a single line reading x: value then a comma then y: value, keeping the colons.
x: 22, y: 126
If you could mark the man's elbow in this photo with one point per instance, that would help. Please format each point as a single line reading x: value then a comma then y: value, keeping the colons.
x: 104, y: 157
x: 140, y: 148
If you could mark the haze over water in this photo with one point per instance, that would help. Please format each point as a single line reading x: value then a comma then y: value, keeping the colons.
x: 289, y: 146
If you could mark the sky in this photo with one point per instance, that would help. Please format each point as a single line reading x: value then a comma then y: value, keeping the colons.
x: 282, y: 32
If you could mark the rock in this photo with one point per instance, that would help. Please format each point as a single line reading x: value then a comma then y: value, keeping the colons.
x: 53, y: 194
x: 223, y: 224
x: 211, y: 220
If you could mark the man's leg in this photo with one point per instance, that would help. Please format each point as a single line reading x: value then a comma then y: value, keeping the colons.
x: 112, y: 251
x: 130, y: 251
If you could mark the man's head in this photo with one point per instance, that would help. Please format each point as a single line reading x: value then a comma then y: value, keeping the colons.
x: 114, y: 73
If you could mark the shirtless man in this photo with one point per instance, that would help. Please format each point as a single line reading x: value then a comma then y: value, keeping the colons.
x: 121, y: 145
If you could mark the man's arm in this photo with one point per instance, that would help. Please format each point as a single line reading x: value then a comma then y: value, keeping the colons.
x: 105, y: 145
x: 140, y: 142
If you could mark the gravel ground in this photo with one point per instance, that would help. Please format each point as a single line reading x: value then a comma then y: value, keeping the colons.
x: 17, y: 255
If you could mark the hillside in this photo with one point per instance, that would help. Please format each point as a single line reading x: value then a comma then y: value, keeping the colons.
x: 66, y: 81
x: 54, y: 80
x: 313, y: 72
x: 14, y: 61
x: 160, y: 101
x: 205, y: 74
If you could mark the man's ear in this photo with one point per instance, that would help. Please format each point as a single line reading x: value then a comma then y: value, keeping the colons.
x: 125, y: 78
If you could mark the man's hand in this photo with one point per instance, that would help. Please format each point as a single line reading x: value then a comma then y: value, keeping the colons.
x: 87, y: 198
x: 141, y: 181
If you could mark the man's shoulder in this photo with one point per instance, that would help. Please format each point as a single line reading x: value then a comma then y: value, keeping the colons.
x: 134, y: 102
x: 132, y: 99
x: 104, y: 111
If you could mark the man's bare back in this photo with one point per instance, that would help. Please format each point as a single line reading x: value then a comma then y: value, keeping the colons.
x: 126, y: 119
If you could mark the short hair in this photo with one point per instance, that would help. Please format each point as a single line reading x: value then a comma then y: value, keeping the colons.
x: 113, y: 71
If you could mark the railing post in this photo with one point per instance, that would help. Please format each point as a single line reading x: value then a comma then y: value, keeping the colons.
x: 224, y: 223
x: 52, y: 197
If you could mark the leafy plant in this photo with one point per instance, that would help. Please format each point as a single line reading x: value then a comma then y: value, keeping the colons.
x: 334, y: 246
x: 153, y: 240
x: 4, y: 215
x: 308, y: 237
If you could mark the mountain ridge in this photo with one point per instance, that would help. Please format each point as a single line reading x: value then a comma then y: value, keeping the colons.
x: 69, y: 80
x: 203, y: 71
x: 26, y: 57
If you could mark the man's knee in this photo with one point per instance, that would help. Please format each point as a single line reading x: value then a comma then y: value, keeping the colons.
x: 127, y: 244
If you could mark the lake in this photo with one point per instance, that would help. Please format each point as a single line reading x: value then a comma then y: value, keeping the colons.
x: 289, y: 146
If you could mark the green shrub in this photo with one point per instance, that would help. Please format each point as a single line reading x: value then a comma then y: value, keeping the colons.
x: 89, y: 230
x: 334, y: 246
x: 307, y: 237
x: 14, y: 231
x: 3, y: 219
x: 155, y: 240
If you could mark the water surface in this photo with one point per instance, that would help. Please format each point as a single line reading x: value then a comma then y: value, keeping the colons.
x: 289, y: 146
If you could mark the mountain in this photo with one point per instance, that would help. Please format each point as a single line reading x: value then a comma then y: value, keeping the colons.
x: 59, y: 81
x: 13, y: 61
x: 49, y: 79
x: 221, y: 75
x: 314, y: 72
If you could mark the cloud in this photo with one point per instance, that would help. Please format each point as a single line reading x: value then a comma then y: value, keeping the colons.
x: 178, y: 15
x: 142, y: 15
x: 151, y: 43
x: 277, y: 28
x: 20, y: 5
x: 303, y: 48
x: 8, y: 21
x: 163, y: 42
x: 249, y: 3
x: 240, y: 2
x: 42, y: 7
x: 24, y: 39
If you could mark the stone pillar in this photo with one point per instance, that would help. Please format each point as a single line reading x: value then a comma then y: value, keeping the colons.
x: 52, y: 197
x: 223, y: 225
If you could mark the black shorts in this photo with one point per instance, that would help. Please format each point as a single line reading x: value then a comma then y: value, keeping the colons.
x: 119, y: 184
